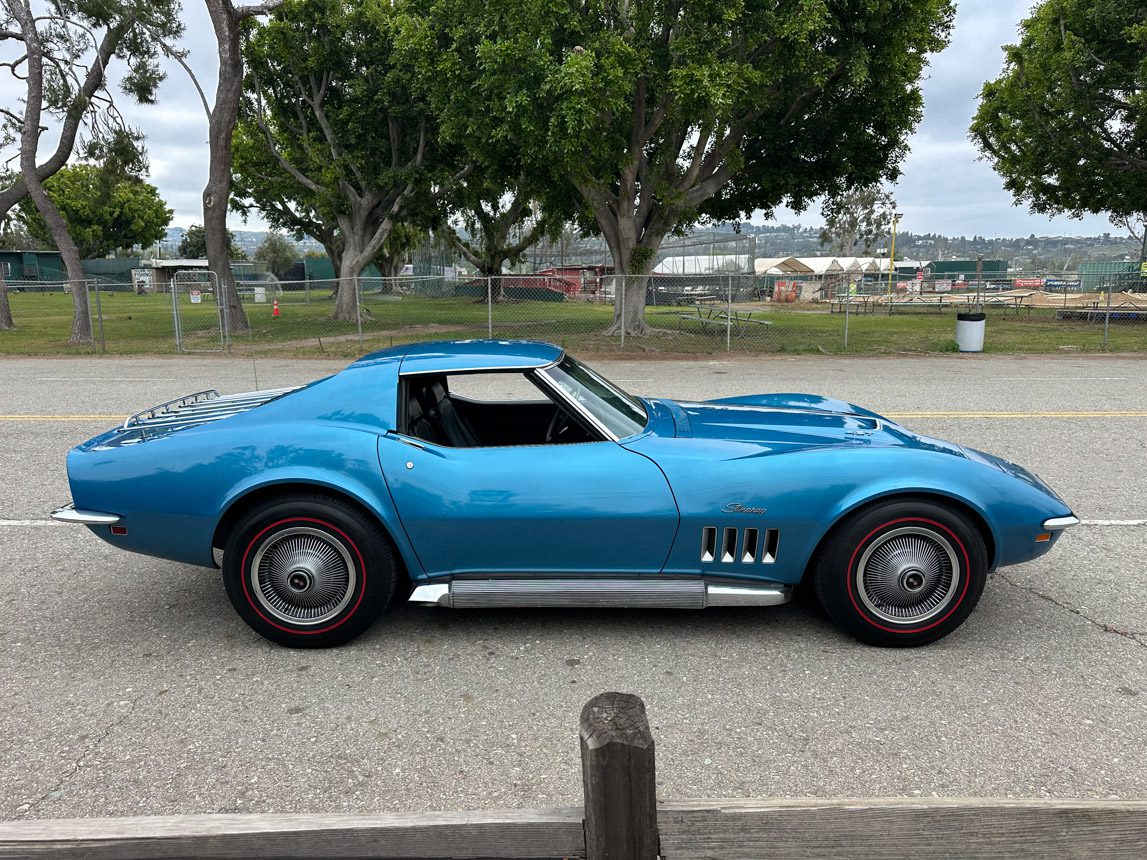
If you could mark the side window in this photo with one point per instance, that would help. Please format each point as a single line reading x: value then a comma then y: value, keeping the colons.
x: 484, y: 410
x: 494, y: 387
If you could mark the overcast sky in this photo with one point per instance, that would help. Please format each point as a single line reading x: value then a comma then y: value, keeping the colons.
x: 944, y: 187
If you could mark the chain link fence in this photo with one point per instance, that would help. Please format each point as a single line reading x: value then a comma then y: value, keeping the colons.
x: 680, y: 314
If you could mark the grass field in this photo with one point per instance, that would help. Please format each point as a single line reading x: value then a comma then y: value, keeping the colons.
x: 144, y: 325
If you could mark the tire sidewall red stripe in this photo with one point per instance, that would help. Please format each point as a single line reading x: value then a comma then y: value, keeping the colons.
x: 361, y: 566
x: 852, y: 585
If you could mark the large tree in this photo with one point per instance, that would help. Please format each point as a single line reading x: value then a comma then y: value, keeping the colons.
x: 502, y: 217
x: 662, y: 113
x: 228, y: 21
x: 1065, y: 123
x: 104, y: 208
x: 278, y: 253
x: 193, y: 245
x: 58, y: 55
x: 333, y: 142
x: 856, y: 218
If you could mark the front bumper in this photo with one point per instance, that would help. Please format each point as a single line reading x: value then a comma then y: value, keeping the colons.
x: 69, y: 514
x: 1056, y: 524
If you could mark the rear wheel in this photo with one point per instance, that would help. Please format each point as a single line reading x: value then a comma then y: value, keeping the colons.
x: 308, y: 571
x: 902, y: 573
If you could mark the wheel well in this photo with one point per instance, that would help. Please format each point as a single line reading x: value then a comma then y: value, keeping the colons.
x: 241, y: 506
x: 934, y: 498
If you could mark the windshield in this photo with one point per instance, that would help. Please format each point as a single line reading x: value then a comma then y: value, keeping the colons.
x: 621, y: 413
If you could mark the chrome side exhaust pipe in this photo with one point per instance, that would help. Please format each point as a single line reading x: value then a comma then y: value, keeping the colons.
x: 651, y: 592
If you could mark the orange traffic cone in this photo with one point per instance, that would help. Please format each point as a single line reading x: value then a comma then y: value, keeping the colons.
x: 275, y: 309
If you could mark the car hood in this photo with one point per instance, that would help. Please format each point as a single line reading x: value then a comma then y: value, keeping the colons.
x: 787, y: 422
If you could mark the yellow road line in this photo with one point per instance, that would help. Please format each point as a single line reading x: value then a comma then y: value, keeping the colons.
x: 973, y: 414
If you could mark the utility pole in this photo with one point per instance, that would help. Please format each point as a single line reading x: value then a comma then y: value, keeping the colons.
x: 892, y: 257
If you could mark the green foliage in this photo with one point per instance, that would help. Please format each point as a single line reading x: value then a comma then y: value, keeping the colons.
x: 666, y: 112
x: 193, y: 245
x: 642, y: 258
x: 1065, y: 124
x: 104, y: 209
x: 278, y: 252
x: 14, y: 235
x: 81, y: 38
x: 855, y: 220
x: 502, y: 218
x: 333, y: 141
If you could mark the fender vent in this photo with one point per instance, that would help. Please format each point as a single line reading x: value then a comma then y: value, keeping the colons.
x: 708, y: 543
x: 752, y: 547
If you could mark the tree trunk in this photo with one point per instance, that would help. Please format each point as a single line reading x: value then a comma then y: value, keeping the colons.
x: 6, y: 323
x: 492, y: 268
x: 217, y: 193
x: 29, y: 144
x: 632, y: 263
x: 391, y: 267
x: 361, y: 244
x: 73, y: 264
x: 346, y: 295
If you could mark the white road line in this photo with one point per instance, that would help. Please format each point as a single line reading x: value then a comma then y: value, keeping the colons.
x: 106, y: 379
x: 23, y: 523
x: 1059, y: 378
x: 1113, y: 523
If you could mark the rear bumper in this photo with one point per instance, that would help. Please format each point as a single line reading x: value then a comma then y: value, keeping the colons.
x: 69, y: 514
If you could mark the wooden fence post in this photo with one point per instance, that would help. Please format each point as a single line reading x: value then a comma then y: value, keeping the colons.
x: 619, y: 780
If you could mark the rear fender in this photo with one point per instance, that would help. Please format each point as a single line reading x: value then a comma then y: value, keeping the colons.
x: 378, y: 504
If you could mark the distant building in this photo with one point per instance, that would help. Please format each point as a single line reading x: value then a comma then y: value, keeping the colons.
x: 32, y: 267
x: 157, y: 276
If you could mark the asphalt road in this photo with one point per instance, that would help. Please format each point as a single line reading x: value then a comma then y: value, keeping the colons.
x: 129, y: 686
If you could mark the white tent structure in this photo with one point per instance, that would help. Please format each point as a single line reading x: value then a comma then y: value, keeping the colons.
x: 781, y: 266
x: 704, y: 264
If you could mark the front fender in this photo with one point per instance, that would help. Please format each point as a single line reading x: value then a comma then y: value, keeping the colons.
x: 803, y: 494
x: 889, y: 487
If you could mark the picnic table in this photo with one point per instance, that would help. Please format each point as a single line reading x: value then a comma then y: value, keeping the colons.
x: 694, y: 298
x: 716, y: 318
x: 864, y: 304
x: 1016, y: 302
x: 920, y: 302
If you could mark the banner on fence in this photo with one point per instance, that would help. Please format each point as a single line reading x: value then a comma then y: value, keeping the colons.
x: 1027, y: 283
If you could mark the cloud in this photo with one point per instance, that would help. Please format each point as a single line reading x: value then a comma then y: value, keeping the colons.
x: 944, y: 186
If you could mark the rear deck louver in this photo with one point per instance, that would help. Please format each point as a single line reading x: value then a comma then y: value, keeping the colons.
x: 198, y: 408
x: 744, y: 545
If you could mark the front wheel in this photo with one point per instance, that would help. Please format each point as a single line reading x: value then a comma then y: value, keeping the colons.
x: 902, y: 573
x: 308, y: 571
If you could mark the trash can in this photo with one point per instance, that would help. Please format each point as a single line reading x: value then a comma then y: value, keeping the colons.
x: 970, y: 332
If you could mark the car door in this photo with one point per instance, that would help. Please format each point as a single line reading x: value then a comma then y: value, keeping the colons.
x: 575, y: 509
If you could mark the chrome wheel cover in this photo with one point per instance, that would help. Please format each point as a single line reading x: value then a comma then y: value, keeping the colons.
x: 908, y: 575
x: 303, y: 576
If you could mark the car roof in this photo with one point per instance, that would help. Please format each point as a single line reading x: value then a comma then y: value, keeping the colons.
x: 452, y: 356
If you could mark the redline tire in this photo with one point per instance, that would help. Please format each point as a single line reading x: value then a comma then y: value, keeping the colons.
x: 308, y: 571
x: 902, y: 573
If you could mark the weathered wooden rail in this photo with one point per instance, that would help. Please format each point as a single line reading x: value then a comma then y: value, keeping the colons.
x: 620, y: 819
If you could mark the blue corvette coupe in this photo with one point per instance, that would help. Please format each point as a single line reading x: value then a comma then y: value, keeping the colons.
x: 494, y: 473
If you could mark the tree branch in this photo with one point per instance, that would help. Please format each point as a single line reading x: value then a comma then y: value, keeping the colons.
x: 93, y: 81
x: 180, y: 57
x: 251, y: 10
x: 463, y: 248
